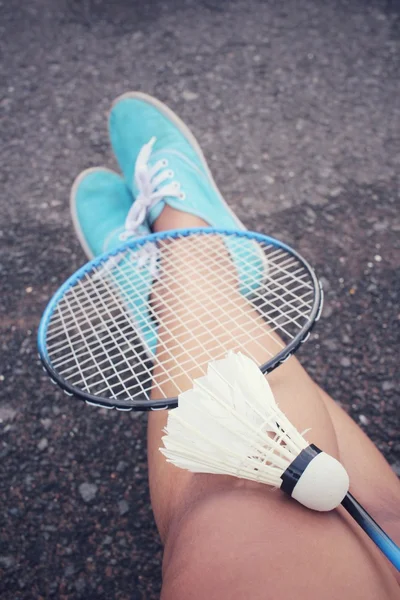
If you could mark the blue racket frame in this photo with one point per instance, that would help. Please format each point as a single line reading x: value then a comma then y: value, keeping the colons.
x: 167, y: 403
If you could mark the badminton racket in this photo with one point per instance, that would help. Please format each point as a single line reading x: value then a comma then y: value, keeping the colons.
x: 148, y: 305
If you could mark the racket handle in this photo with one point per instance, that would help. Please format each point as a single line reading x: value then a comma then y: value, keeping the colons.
x: 372, y: 529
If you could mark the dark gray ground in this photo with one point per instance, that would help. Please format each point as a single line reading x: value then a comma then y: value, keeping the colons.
x: 297, y: 106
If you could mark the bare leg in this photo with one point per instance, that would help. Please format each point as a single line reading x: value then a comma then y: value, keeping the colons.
x: 225, y: 538
x: 372, y: 479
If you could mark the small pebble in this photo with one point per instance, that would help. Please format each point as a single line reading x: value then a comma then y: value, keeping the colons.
x: 345, y: 362
x: 138, y: 35
x: 7, y: 413
x: 189, y: 96
x: 29, y: 290
x: 107, y: 540
x: 380, y: 226
x: 335, y: 192
x: 121, y: 466
x: 42, y: 445
x: 6, y: 561
x: 363, y: 420
x: 123, y: 507
x: 88, y: 491
x: 331, y: 345
x: 69, y: 570
x: 311, y: 215
x: 387, y: 386
x: 377, y: 258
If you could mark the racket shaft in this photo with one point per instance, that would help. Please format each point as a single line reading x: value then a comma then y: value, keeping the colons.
x: 373, y: 530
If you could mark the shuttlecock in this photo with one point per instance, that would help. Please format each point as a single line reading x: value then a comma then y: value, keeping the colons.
x: 229, y: 423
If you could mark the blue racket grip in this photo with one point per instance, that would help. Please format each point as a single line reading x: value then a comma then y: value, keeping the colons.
x: 372, y: 529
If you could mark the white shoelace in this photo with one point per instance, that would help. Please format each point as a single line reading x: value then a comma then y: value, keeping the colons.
x: 149, y: 182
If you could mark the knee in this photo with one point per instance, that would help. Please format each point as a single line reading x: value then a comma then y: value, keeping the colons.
x: 251, y: 543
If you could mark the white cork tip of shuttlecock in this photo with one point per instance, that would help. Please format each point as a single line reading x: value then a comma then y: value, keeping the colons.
x: 323, y: 484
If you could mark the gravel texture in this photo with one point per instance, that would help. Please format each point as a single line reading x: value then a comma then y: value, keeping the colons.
x: 297, y: 110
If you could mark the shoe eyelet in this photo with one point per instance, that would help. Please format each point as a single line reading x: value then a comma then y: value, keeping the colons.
x: 170, y: 173
x: 182, y: 196
x: 164, y: 162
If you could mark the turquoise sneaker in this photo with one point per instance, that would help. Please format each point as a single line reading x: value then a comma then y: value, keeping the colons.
x: 171, y: 169
x: 135, y: 118
x: 101, y: 205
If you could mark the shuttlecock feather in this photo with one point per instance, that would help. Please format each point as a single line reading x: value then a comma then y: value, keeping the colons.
x: 229, y: 423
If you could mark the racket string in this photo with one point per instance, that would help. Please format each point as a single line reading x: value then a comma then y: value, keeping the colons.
x: 93, y: 337
x: 253, y: 279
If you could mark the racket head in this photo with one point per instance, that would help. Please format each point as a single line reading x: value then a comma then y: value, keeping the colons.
x: 62, y: 340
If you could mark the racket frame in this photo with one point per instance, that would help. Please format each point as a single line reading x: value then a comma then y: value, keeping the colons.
x: 167, y: 403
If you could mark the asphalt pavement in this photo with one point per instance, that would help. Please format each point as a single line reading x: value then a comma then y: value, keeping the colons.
x: 296, y: 105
